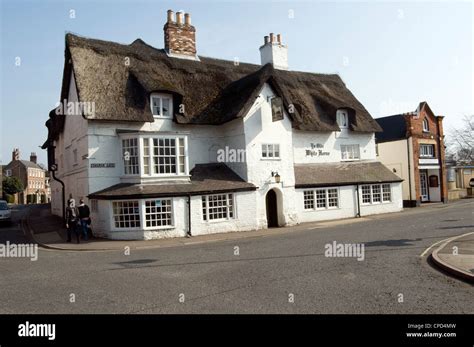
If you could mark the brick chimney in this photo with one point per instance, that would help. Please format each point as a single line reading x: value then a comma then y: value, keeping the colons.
x: 15, y: 154
x: 33, y: 157
x: 274, y: 52
x: 180, y: 36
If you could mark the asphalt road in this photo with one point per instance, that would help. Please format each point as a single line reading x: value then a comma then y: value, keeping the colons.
x: 263, y: 278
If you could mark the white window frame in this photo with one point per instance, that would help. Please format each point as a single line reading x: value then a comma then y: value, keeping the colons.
x: 342, y: 119
x: 426, y: 125
x: 138, y: 155
x: 230, y: 197
x: 427, y: 150
x: 270, y: 148
x: 371, y: 189
x: 125, y: 229
x: 161, y: 97
x: 150, y: 157
x: 326, y: 199
x: 144, y: 214
x: 8, y: 173
x: 349, y: 149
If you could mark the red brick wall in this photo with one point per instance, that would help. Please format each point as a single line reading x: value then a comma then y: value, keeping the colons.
x: 434, y: 136
x: 180, y: 38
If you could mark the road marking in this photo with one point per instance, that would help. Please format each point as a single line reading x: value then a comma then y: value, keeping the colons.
x: 445, y: 240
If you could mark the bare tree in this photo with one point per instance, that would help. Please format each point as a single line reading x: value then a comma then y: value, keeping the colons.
x: 461, y: 142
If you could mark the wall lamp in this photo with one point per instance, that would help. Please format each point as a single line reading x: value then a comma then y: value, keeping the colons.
x: 276, y: 175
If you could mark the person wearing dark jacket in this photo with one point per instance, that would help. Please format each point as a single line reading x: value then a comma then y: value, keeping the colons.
x: 84, y: 216
x: 72, y: 220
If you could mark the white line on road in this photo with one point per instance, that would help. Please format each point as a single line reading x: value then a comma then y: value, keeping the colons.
x: 445, y: 240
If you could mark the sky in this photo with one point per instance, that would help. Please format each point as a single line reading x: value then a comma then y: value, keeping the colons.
x: 391, y: 55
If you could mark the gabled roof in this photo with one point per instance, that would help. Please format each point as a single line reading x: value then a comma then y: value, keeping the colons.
x: 119, y: 79
x: 205, y: 179
x: 25, y: 163
x: 342, y: 174
x: 395, y: 127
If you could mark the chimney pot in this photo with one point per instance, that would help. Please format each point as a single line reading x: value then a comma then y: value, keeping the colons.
x: 187, y: 19
x: 179, y: 18
x: 266, y: 39
x: 272, y: 37
x: 170, y: 16
x: 279, y: 38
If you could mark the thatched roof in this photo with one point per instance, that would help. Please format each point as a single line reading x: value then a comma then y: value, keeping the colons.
x: 205, y: 179
x: 119, y: 78
x: 342, y: 174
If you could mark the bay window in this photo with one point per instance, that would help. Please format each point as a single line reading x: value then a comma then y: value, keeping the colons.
x: 155, y: 155
x: 129, y: 215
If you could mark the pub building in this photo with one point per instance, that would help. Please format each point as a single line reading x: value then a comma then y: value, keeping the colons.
x: 147, y: 158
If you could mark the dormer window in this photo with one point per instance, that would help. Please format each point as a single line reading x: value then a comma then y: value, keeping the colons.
x: 342, y: 117
x: 426, y: 127
x: 161, y: 105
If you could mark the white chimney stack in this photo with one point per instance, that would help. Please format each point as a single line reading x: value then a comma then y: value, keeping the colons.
x: 274, y: 52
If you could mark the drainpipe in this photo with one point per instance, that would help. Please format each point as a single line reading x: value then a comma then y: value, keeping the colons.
x: 444, y: 199
x: 63, y: 193
x: 409, y: 168
x: 188, y: 234
x: 358, y: 202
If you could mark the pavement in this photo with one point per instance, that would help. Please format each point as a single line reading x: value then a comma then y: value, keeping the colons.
x: 260, y: 277
x: 454, y: 255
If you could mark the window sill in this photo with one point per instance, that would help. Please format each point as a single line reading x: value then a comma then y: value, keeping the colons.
x: 162, y: 117
x: 271, y: 159
x: 346, y: 160
x: 217, y: 220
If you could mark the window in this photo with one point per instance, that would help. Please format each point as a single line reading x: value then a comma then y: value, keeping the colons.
x: 270, y: 151
x: 427, y: 151
x: 161, y: 106
x: 308, y: 199
x: 158, y: 213
x: 386, y: 192
x: 130, y: 156
x: 342, y: 117
x: 74, y: 155
x: 325, y: 199
x: 320, y: 198
x: 332, y: 198
x: 350, y: 152
x: 426, y: 127
x: 376, y: 193
x: 167, y: 156
x: 219, y: 206
x: 126, y: 214
x: 8, y: 173
x: 94, y: 205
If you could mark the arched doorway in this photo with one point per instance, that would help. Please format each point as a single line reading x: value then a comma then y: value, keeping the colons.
x: 272, y: 209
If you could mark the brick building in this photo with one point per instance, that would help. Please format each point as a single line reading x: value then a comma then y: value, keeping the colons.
x: 32, y: 176
x: 412, y: 146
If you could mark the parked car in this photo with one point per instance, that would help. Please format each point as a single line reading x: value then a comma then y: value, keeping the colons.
x: 5, y: 212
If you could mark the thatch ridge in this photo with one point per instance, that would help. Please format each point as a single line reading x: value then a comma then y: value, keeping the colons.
x: 119, y: 78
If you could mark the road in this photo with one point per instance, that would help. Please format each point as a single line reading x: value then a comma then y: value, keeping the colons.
x: 286, y: 273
